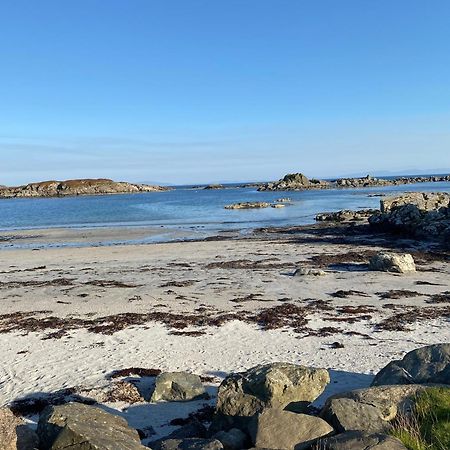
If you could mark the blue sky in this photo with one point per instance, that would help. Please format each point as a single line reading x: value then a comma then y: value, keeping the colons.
x: 188, y: 91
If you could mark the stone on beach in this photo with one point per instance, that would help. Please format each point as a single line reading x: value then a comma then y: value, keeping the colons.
x: 307, y: 271
x: 276, y: 385
x: 233, y: 439
x: 190, y: 444
x: 430, y: 364
x: 14, y: 433
x: 83, y: 427
x: 369, y: 409
x: 392, y: 262
x: 178, y: 386
x: 278, y: 429
x: 361, y: 440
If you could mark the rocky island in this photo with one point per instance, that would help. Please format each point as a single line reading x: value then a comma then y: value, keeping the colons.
x: 100, y: 186
x: 299, y: 182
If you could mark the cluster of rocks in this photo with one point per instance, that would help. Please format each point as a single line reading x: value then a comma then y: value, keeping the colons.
x: 298, y: 182
x: 256, y: 205
x: 294, y: 182
x: 213, y: 187
x: 266, y: 407
x: 76, y: 187
x: 418, y: 214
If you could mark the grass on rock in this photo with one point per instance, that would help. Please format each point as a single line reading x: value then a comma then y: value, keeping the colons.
x: 428, y: 426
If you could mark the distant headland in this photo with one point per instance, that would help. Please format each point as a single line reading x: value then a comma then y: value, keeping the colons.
x: 100, y: 186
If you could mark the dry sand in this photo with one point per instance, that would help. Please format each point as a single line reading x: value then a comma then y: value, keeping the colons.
x: 143, y: 286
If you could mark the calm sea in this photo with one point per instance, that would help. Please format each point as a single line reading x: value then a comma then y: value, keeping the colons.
x: 198, y: 210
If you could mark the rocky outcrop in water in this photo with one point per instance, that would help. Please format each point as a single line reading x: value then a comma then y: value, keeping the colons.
x: 346, y: 215
x: 294, y: 182
x: 248, y: 205
x: 418, y: 214
x: 299, y: 182
x: 99, y: 186
x: 213, y: 186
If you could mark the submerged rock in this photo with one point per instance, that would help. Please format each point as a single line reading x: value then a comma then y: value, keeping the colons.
x: 392, y: 262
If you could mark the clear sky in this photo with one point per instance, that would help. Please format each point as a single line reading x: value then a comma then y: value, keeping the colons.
x: 186, y: 91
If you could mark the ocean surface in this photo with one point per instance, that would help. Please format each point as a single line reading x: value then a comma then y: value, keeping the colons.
x: 196, y: 212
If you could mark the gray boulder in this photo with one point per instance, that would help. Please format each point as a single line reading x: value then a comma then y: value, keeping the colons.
x: 346, y: 414
x: 430, y: 364
x: 14, y: 433
x: 178, y: 386
x: 194, y: 429
x: 233, y: 439
x: 190, y: 444
x: 308, y: 271
x: 369, y: 409
x: 276, y: 385
x: 360, y: 440
x: 392, y: 262
x: 82, y: 427
x: 278, y: 429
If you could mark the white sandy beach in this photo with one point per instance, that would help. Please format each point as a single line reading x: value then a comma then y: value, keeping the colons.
x: 209, y: 278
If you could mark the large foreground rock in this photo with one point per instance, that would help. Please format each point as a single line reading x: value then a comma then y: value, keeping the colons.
x: 430, y: 364
x: 178, y: 386
x: 285, y: 430
x: 233, y: 439
x: 421, y: 215
x: 359, y: 440
x: 276, y: 385
x: 424, y: 201
x: 14, y: 434
x: 392, y: 262
x: 369, y: 409
x: 190, y: 444
x: 82, y: 427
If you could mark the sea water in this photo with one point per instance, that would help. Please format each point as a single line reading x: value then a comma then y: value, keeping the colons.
x: 195, y: 209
